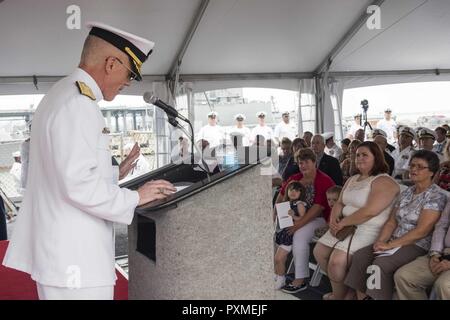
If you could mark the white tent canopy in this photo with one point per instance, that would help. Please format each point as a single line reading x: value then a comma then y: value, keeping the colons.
x: 223, y: 43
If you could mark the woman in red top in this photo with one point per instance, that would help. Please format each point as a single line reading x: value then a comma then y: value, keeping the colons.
x: 316, y: 183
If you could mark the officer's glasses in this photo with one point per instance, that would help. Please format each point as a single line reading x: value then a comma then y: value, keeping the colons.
x: 131, y: 75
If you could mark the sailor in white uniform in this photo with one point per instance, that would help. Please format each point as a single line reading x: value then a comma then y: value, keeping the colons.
x: 261, y: 128
x: 427, y: 138
x: 403, y: 153
x: 212, y: 132
x: 285, y: 129
x: 64, y: 236
x: 331, y: 148
x: 241, y: 130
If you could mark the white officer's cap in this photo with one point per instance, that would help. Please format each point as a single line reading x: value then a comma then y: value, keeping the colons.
x: 408, y: 132
x: 137, y: 49
x: 261, y: 114
x: 379, y: 132
x: 328, y: 135
x: 427, y: 133
x: 212, y: 114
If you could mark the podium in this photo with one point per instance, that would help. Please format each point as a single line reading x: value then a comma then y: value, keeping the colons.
x: 213, y: 239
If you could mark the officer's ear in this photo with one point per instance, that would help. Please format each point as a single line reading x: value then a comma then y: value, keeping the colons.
x: 109, y: 65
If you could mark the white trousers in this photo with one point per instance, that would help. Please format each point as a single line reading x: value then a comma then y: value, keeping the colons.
x: 300, y: 246
x: 57, y: 293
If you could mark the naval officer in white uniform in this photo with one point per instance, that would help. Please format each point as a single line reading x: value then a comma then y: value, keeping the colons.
x: 64, y: 235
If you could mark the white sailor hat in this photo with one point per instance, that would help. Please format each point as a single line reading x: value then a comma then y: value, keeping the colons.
x: 407, y: 131
x: 427, y: 133
x: 16, y: 154
x: 378, y: 132
x: 138, y: 49
x: 239, y: 117
x: 261, y: 114
x: 212, y: 114
x: 357, y: 115
x: 328, y: 135
x: 388, y: 110
x: 286, y: 113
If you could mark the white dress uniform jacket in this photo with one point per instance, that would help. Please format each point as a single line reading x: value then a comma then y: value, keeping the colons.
x: 244, y: 131
x: 264, y: 131
x: 285, y: 130
x: 401, y: 159
x: 64, y: 234
x: 334, y: 151
x: 213, y: 134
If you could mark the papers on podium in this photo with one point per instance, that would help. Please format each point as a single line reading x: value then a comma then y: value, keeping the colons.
x: 284, y: 219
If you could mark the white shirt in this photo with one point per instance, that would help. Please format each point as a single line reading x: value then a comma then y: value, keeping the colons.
x: 401, y: 159
x: 439, y: 147
x: 213, y: 134
x: 244, y: 131
x: 355, y: 127
x: 283, y: 130
x: 64, y: 230
x: 264, y: 131
x: 389, y: 127
x: 334, y: 151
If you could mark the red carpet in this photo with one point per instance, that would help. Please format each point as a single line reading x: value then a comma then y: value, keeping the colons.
x: 16, y: 285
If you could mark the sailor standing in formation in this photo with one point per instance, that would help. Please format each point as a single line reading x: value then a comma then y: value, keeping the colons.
x: 64, y: 236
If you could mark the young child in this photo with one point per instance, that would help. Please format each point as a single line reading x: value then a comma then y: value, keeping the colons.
x: 332, y: 197
x: 296, y: 195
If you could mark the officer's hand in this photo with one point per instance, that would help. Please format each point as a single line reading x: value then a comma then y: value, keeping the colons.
x: 154, y: 190
x: 129, y: 162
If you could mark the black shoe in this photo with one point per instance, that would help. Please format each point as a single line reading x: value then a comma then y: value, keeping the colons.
x: 289, y: 288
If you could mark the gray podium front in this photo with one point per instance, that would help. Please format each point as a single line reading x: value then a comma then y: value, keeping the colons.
x: 211, y: 240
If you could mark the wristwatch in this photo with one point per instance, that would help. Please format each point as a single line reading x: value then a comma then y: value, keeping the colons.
x: 434, y: 253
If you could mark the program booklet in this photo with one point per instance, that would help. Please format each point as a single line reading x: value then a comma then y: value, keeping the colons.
x: 284, y: 219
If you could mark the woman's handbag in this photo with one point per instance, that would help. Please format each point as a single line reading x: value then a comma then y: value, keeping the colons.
x: 341, y: 235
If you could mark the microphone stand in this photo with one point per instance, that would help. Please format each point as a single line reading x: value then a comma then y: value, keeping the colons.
x: 175, y: 123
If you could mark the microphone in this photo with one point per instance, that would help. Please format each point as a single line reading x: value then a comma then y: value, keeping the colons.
x: 172, y: 114
x: 171, y: 111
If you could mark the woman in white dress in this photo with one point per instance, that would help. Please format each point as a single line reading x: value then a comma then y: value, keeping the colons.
x: 366, y: 202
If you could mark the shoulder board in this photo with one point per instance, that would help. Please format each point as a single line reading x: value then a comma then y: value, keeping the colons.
x: 85, y: 90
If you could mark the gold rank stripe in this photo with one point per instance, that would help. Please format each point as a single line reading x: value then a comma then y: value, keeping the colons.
x: 136, y: 60
x: 85, y: 90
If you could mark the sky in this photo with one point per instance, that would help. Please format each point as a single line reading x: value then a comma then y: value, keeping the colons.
x: 432, y: 98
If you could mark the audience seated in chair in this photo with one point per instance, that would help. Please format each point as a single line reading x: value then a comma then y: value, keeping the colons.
x: 431, y: 271
x: 348, y: 166
x: 327, y: 164
x: 365, y: 202
x: 316, y: 183
x: 408, y: 230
